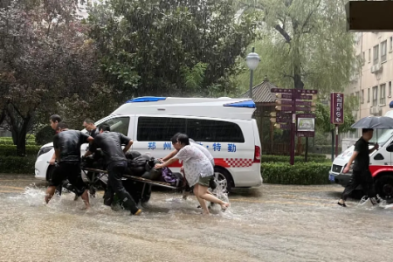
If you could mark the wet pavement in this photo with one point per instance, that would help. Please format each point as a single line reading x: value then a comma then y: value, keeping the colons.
x: 270, y: 223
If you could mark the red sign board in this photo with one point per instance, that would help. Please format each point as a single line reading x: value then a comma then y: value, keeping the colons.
x: 305, y: 125
x: 337, y: 108
x: 294, y: 91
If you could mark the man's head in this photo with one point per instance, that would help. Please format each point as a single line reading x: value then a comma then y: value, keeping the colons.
x: 61, y: 127
x: 54, y: 121
x: 367, y: 134
x: 89, y: 124
x: 104, y: 127
x: 180, y: 140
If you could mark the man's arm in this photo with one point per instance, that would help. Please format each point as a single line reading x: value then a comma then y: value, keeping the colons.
x: 167, y: 163
x: 376, y: 146
x: 128, y: 146
x: 171, y: 154
x: 57, y: 154
x: 354, y: 155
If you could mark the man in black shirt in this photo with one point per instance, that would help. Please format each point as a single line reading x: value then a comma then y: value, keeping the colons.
x: 361, y: 174
x: 110, y: 144
x: 90, y: 127
x: 67, y: 145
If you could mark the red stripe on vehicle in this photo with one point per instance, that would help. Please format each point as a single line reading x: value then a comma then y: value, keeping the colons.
x: 225, y: 162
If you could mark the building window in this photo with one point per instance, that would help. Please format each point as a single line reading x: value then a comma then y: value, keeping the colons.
x: 376, y: 54
x: 391, y: 44
x: 383, y: 50
x: 390, y: 89
x: 382, y: 99
x: 119, y: 125
x: 375, y: 95
x: 357, y: 96
x: 363, y: 58
x: 368, y: 95
x: 369, y: 55
x: 362, y: 97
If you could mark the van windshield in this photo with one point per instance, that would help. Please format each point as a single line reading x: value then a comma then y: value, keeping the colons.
x: 381, y: 136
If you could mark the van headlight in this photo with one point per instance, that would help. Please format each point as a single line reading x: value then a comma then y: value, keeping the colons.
x: 44, y: 150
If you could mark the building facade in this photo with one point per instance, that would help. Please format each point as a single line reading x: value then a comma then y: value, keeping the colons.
x: 372, y: 85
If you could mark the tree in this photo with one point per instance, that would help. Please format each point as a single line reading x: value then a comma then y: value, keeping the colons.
x: 45, y: 57
x: 169, y: 47
x: 303, y: 44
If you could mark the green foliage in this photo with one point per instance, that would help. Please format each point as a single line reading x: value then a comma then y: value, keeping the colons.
x: 285, y: 159
x: 299, y: 174
x: 10, y: 150
x: 323, y: 149
x: 45, y: 135
x: 322, y: 117
x: 17, y: 165
x: 9, y: 141
x: 169, y: 47
x: 302, y: 43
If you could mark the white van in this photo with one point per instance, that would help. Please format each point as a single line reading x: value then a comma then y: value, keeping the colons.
x: 380, y: 157
x: 223, y: 125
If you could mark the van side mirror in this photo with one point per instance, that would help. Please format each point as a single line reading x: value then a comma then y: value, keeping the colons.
x: 389, y: 148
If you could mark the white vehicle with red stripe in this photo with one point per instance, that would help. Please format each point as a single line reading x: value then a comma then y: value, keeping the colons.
x: 223, y: 125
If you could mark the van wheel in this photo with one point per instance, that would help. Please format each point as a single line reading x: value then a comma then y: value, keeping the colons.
x: 223, y: 176
x: 384, y: 186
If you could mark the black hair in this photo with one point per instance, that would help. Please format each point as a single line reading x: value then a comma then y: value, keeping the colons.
x: 55, y: 118
x: 366, y: 130
x: 182, y: 138
x: 62, y: 125
x: 104, y: 127
x: 89, y: 121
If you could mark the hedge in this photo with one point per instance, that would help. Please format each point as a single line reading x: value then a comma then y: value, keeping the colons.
x: 298, y: 174
x: 285, y: 159
x: 324, y: 149
x: 10, y: 150
x: 9, y: 141
x: 17, y: 165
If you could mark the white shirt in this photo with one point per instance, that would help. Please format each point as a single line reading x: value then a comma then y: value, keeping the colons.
x: 195, y: 163
x: 205, y: 152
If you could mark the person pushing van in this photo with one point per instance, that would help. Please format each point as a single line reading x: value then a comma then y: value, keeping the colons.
x: 361, y: 174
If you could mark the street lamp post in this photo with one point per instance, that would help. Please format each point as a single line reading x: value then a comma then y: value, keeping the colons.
x: 252, y: 61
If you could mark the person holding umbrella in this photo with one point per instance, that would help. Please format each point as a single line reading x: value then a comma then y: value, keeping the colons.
x: 361, y: 174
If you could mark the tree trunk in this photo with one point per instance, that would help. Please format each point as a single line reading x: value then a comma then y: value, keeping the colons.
x: 21, y: 139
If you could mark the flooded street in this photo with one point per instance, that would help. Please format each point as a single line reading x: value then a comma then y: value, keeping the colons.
x: 270, y: 223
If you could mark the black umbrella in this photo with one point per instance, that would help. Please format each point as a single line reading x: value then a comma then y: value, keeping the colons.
x: 374, y: 122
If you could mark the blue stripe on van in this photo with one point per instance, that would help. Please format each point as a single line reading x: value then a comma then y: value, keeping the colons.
x: 248, y: 103
x: 146, y: 99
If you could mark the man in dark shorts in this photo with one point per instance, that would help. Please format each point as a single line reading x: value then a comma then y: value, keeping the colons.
x: 54, y: 120
x: 110, y: 144
x: 90, y: 127
x: 361, y: 174
x: 67, y: 145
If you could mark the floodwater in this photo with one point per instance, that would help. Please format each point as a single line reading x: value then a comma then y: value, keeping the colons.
x: 270, y: 223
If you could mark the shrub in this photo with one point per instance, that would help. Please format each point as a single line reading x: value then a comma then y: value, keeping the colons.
x: 17, y: 165
x: 324, y: 149
x: 9, y: 141
x: 45, y: 135
x: 285, y: 159
x: 298, y: 174
x: 10, y: 150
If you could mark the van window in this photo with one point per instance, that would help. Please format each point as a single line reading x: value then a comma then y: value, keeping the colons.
x: 214, y: 131
x: 163, y: 128
x: 119, y: 124
x: 159, y: 128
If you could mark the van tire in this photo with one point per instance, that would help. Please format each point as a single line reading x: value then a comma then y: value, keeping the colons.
x: 384, y: 186
x: 222, y: 173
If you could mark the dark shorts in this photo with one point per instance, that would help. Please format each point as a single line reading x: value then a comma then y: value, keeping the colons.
x: 204, y: 181
x: 70, y: 171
